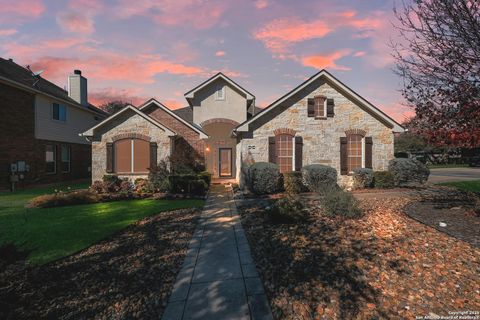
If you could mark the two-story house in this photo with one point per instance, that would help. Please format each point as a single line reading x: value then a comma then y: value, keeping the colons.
x: 40, y: 125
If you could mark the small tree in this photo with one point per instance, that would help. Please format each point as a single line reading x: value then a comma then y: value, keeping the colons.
x: 113, y: 106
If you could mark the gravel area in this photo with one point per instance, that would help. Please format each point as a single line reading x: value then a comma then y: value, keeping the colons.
x: 126, y: 276
x: 383, y: 265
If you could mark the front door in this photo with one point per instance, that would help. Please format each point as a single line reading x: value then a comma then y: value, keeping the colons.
x: 225, y: 163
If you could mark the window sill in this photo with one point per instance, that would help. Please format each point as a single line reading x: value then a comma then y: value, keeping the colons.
x: 320, y: 118
x: 130, y: 173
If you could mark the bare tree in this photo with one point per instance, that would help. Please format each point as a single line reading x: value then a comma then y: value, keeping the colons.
x: 112, y: 107
x: 439, y: 59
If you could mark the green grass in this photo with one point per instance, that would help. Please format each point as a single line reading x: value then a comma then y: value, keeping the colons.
x: 472, y: 186
x: 52, y: 233
x: 440, y: 166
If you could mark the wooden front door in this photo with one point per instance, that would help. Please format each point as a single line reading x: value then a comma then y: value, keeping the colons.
x: 225, y: 162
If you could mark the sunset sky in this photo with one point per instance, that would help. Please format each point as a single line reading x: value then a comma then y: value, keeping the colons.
x: 136, y: 49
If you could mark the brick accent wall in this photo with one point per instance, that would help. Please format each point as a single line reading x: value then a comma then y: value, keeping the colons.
x: 18, y: 143
x: 190, y: 136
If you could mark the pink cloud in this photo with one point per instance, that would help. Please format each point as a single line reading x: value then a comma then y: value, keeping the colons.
x: 187, y: 13
x: 101, y: 96
x: 397, y: 111
x: 326, y: 61
x: 261, y: 4
x: 75, y: 22
x: 359, y: 54
x: 7, y: 32
x: 173, y: 104
x: 279, y: 34
x: 220, y: 53
x: 20, y: 10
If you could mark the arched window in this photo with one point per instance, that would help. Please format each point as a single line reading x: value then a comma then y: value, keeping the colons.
x: 354, y: 151
x: 284, y: 152
x: 132, y: 156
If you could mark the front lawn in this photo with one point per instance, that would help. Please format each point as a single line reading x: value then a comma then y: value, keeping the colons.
x: 472, y: 186
x: 49, y: 234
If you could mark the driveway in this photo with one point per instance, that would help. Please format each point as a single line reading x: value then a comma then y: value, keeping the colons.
x: 454, y: 174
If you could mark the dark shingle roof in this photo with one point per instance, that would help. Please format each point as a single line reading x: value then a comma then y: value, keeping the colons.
x: 22, y: 75
x: 185, y: 113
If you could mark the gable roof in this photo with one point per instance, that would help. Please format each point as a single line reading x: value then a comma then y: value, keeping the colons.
x: 22, y: 77
x: 185, y: 113
x: 396, y: 127
x: 90, y: 131
x: 158, y: 104
x: 191, y: 93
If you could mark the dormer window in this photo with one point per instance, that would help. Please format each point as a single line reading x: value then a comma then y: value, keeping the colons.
x: 220, y: 92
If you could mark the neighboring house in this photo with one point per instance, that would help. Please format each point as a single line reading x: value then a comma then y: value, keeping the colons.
x: 40, y: 125
x: 320, y: 121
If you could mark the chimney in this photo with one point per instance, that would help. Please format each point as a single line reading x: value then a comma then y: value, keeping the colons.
x: 77, y: 87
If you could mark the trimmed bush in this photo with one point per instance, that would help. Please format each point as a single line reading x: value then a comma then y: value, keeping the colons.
x: 319, y: 178
x: 362, y: 178
x: 205, y: 176
x: 264, y: 178
x: 337, y: 202
x: 111, y: 183
x: 293, y: 183
x: 287, y: 210
x: 126, y: 186
x: 97, y: 187
x: 197, y: 187
x: 383, y: 179
x: 408, y: 172
x: 63, y: 199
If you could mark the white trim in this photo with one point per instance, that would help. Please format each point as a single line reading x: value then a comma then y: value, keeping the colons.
x: 395, y: 126
x: 293, y: 153
x: 363, y: 152
x: 90, y: 131
x: 190, y: 94
x: 203, y: 135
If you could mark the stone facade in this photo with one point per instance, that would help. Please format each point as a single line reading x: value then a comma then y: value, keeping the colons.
x: 127, y: 123
x: 18, y: 143
x: 321, y: 137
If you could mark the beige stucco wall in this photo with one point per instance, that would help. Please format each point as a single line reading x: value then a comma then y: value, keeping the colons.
x: 46, y: 128
x: 321, y: 138
x: 124, y: 124
x: 219, y: 136
x: 205, y: 107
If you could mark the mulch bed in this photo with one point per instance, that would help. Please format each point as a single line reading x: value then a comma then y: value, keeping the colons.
x: 129, y: 275
x: 383, y: 265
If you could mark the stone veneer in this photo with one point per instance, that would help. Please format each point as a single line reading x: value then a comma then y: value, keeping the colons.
x: 321, y: 137
x: 126, y: 124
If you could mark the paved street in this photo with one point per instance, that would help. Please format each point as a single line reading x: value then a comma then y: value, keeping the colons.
x: 454, y: 174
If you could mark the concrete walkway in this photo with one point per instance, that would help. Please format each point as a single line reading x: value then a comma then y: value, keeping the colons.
x: 218, y: 279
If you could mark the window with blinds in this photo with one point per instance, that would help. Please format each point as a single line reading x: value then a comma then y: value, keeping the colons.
x: 284, y: 152
x: 354, y: 151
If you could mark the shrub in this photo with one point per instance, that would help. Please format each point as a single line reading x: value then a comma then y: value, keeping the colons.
x: 362, y: 178
x: 292, y: 182
x: 63, y: 199
x: 158, y: 177
x: 179, y: 183
x: 264, y: 178
x: 318, y: 177
x: 126, y: 186
x: 142, y: 185
x: 197, y: 187
x: 287, y: 210
x: 111, y: 183
x: 337, y: 202
x: 97, y: 187
x: 383, y: 179
x: 408, y: 172
x: 205, y: 176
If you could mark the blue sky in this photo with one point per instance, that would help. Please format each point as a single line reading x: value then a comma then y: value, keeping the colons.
x: 134, y: 50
